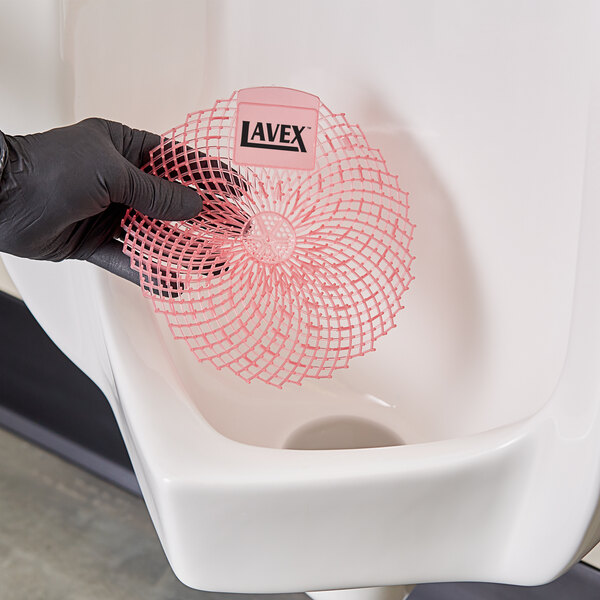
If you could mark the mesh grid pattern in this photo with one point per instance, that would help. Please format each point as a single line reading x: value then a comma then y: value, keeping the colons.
x: 285, y: 274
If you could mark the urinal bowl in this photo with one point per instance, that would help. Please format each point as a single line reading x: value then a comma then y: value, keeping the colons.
x: 339, y: 483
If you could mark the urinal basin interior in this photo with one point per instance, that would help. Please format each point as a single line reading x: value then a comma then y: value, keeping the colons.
x: 459, y: 361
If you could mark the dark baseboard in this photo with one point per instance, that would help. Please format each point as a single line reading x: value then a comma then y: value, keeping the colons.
x: 582, y: 582
x: 47, y: 400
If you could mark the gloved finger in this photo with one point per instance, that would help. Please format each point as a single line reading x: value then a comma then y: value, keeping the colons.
x: 176, y: 161
x: 133, y: 144
x: 217, y: 176
x: 159, y: 198
x: 172, y: 159
x: 110, y: 257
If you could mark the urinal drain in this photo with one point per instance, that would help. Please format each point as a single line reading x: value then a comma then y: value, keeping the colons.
x: 301, y: 254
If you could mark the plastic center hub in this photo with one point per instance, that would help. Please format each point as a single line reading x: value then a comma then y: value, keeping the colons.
x: 269, y: 238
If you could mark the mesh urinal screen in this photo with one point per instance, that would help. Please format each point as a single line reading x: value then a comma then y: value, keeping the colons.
x: 300, y: 256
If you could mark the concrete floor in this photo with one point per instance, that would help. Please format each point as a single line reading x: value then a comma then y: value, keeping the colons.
x: 67, y: 535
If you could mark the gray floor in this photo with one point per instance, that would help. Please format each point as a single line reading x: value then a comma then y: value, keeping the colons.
x: 67, y: 535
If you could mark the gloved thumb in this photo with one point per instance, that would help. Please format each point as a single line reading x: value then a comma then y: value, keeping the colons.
x: 159, y: 198
x: 110, y: 256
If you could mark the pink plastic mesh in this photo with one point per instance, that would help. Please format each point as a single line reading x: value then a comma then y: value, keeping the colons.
x: 285, y: 274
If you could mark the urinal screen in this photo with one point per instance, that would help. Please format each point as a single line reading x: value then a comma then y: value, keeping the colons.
x: 301, y: 254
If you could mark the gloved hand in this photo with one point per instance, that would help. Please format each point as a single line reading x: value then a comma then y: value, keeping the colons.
x: 64, y: 192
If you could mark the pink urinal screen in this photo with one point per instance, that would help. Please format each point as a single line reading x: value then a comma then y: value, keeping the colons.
x: 301, y: 254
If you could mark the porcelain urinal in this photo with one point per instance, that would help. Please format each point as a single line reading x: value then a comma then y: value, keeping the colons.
x: 467, y: 446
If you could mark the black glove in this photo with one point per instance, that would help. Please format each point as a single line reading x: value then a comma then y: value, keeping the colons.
x: 64, y: 192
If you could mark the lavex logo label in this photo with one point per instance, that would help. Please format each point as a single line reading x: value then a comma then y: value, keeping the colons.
x: 273, y: 137
x: 277, y: 136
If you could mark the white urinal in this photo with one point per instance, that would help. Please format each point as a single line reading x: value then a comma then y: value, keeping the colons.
x: 467, y: 447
